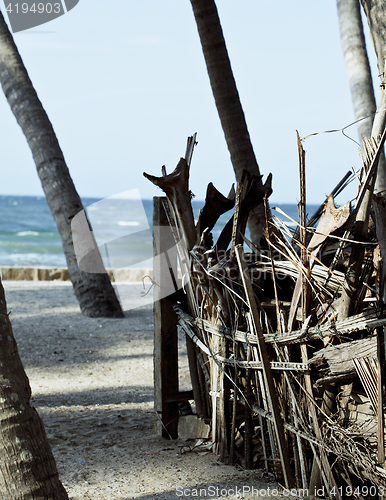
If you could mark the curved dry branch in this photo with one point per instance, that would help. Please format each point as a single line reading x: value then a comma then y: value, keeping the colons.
x: 254, y: 196
x: 216, y: 204
x: 176, y: 188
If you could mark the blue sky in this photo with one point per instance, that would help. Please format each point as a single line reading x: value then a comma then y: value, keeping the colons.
x: 124, y: 84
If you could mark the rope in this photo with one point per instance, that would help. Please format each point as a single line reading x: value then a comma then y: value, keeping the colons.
x: 329, y: 344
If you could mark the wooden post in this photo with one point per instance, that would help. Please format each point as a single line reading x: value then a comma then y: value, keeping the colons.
x: 271, y: 392
x: 165, y: 325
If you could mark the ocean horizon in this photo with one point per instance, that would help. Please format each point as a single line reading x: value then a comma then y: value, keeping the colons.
x: 29, y: 236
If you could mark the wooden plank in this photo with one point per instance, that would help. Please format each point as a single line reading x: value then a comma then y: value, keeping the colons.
x: 336, y: 363
x: 165, y: 327
x: 256, y: 365
x: 364, y: 321
x: 184, y: 260
x: 278, y: 423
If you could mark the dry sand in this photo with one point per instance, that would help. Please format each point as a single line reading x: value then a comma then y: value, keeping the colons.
x: 92, y: 384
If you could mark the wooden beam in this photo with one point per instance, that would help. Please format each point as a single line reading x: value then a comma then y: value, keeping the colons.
x: 255, y: 365
x: 366, y: 320
x: 165, y: 326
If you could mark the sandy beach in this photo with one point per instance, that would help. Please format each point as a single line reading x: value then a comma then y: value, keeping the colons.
x: 92, y: 384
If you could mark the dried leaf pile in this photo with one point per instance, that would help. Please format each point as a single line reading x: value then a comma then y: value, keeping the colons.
x: 286, y: 339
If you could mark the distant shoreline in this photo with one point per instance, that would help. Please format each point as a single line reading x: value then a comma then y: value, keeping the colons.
x: 47, y: 273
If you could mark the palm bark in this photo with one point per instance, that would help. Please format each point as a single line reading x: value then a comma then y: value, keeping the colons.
x: 357, y: 64
x: 376, y: 17
x: 94, y: 292
x: 27, y: 466
x: 362, y: 94
x: 227, y: 100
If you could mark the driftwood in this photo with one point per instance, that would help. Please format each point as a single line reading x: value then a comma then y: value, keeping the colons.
x: 335, y: 363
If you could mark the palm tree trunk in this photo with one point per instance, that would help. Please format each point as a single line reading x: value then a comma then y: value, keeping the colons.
x: 94, y: 292
x: 27, y: 466
x: 376, y: 18
x: 227, y: 100
x: 357, y: 64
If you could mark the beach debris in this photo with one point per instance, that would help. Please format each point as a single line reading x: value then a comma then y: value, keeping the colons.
x: 285, y: 340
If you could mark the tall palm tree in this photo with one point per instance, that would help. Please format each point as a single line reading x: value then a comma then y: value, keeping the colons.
x: 27, y: 466
x: 376, y: 17
x: 357, y: 64
x: 94, y: 292
x: 227, y: 100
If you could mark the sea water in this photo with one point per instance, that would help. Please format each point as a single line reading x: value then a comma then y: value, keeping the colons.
x: 29, y: 236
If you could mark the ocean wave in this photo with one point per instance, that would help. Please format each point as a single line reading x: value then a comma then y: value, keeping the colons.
x: 27, y: 233
x: 128, y: 223
x: 32, y: 259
